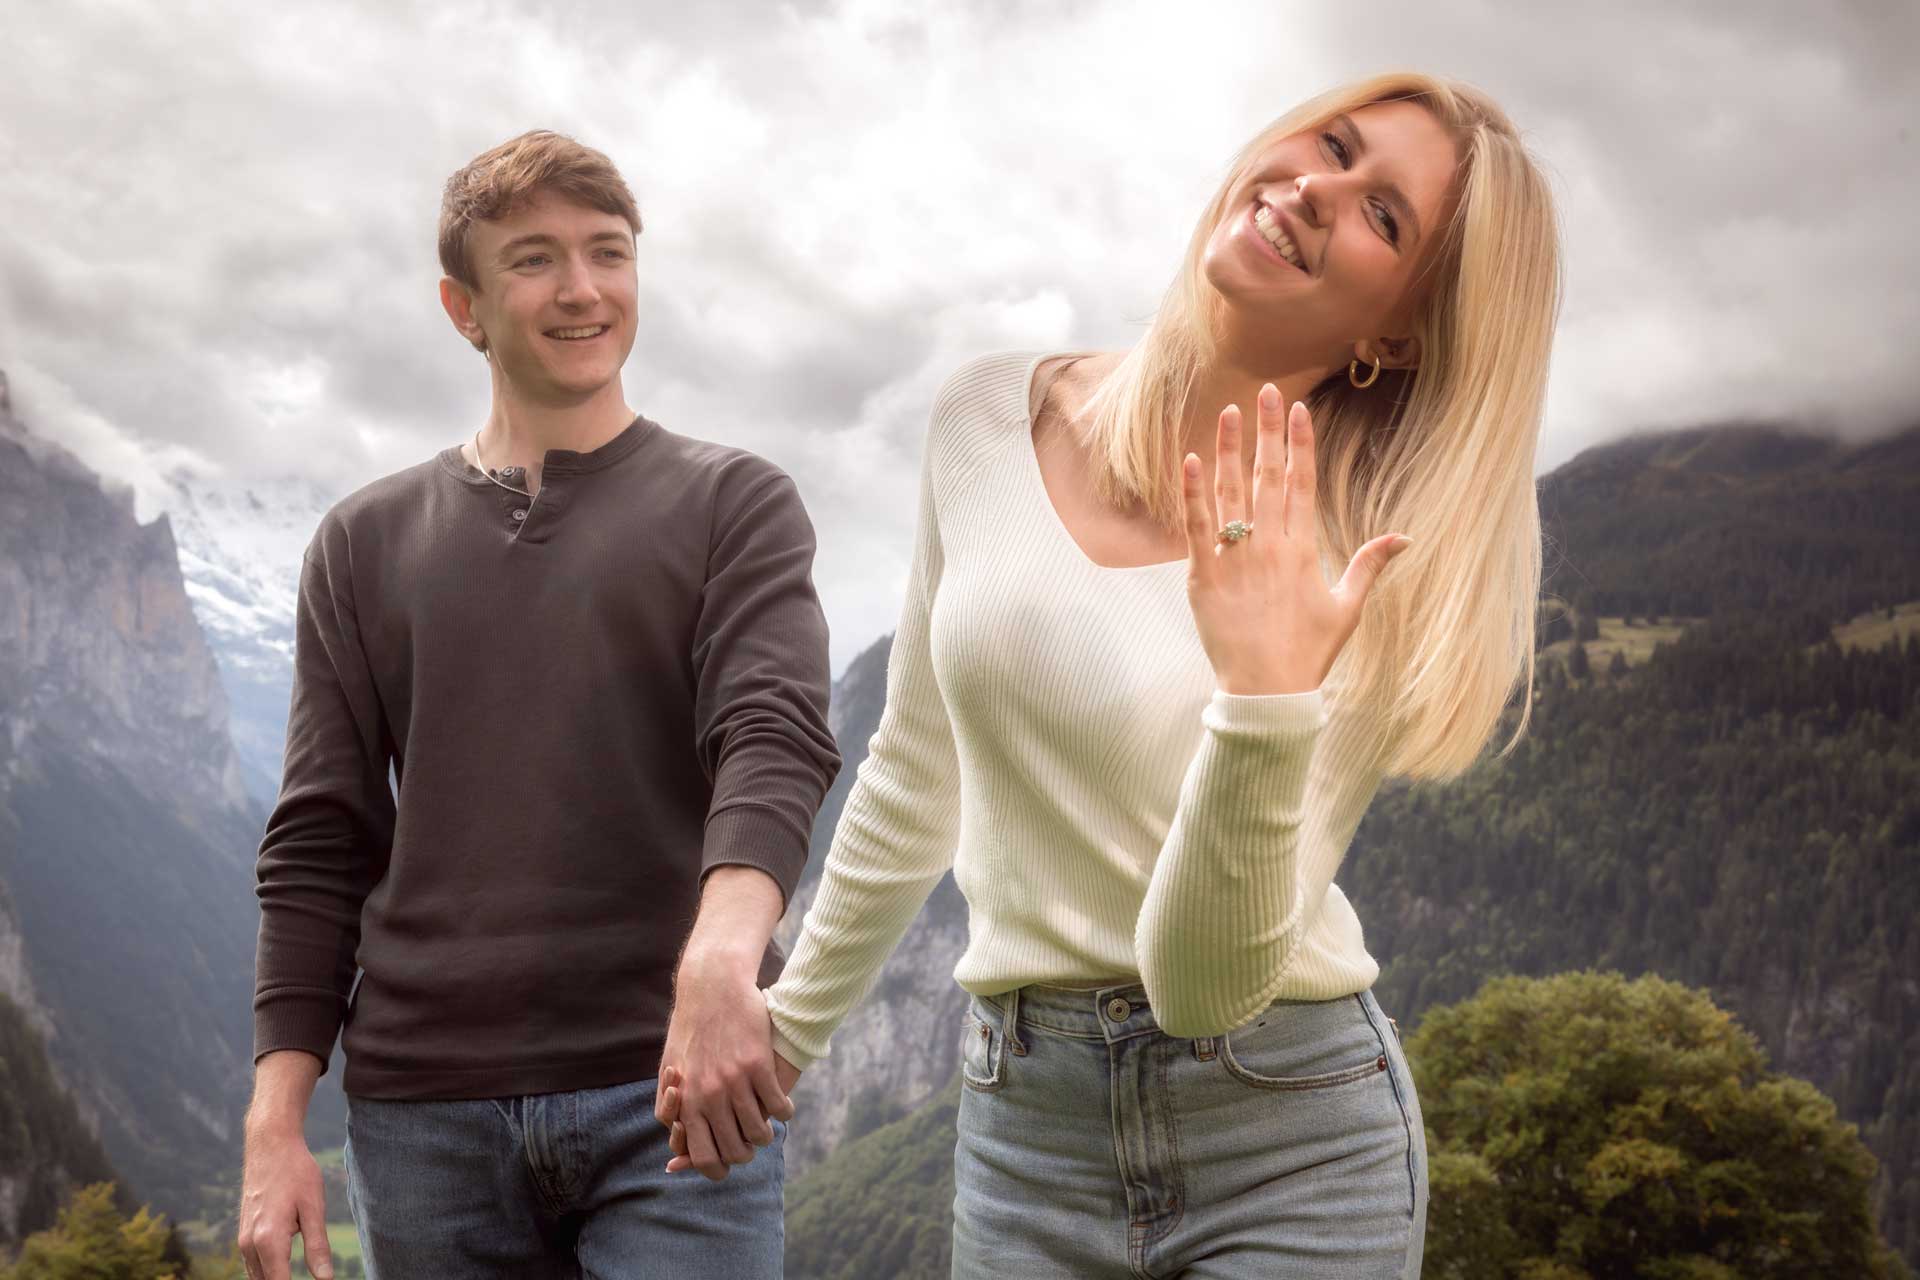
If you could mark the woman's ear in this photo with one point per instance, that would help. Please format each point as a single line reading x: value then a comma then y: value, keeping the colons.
x: 1393, y: 353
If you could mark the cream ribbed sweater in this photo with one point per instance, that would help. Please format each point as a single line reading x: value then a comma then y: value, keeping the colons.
x: 1053, y: 734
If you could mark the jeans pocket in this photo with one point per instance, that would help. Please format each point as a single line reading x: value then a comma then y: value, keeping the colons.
x: 1306, y: 1045
x: 983, y: 1055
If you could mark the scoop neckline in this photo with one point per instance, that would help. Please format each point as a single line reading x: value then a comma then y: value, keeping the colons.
x: 1039, y: 480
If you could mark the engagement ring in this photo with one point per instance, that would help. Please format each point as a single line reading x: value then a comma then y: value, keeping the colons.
x: 1235, y: 530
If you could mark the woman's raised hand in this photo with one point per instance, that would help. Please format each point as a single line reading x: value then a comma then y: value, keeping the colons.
x: 1265, y: 615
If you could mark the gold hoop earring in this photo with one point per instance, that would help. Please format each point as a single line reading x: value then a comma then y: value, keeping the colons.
x: 1353, y: 370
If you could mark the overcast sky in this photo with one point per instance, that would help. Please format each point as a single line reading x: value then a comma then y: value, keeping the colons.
x: 218, y: 248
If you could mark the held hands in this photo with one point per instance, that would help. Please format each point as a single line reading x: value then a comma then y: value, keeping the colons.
x: 720, y: 1080
x: 1265, y: 615
x: 670, y: 1081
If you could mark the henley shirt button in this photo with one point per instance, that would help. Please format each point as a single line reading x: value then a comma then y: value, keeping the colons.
x: 1118, y: 1009
x: 519, y: 513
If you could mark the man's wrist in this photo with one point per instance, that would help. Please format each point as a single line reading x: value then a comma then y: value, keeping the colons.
x: 722, y: 956
x: 283, y: 1082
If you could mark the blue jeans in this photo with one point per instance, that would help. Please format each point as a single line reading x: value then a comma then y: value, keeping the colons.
x: 1094, y: 1145
x: 551, y: 1185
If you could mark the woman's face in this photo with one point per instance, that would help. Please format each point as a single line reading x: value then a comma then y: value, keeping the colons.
x: 1319, y: 246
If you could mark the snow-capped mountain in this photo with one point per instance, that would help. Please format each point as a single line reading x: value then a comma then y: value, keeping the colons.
x: 240, y: 554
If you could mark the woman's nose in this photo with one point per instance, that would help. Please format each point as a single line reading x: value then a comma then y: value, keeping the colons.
x: 1311, y: 191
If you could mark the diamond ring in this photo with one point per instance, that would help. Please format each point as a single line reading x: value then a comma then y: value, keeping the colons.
x: 1234, y: 531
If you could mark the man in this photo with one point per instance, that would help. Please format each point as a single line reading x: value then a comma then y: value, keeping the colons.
x: 591, y: 653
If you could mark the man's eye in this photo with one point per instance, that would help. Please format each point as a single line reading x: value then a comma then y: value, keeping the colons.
x: 531, y: 260
x: 1337, y: 145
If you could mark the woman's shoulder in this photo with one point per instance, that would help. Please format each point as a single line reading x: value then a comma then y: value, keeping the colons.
x: 992, y: 399
x: 977, y: 409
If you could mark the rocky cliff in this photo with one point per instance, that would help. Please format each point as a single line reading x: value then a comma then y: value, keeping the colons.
x: 126, y: 836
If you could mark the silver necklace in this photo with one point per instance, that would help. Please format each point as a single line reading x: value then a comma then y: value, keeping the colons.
x: 481, y: 465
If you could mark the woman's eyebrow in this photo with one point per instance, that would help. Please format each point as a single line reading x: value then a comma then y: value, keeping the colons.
x: 1395, y: 195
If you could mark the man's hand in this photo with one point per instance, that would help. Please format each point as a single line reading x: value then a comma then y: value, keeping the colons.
x: 720, y: 1041
x: 280, y: 1190
x: 669, y: 1108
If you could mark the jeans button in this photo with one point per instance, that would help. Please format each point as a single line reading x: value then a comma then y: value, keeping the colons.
x: 1118, y: 1009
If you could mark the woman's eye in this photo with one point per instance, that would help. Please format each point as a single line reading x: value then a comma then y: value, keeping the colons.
x: 1388, y: 223
x: 1337, y: 145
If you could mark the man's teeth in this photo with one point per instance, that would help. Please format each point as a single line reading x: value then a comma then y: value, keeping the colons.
x: 1270, y: 228
x: 593, y: 331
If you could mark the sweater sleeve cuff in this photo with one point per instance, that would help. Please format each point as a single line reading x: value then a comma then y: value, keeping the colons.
x: 751, y: 835
x: 1278, y: 716
x: 308, y: 1023
x: 792, y: 1052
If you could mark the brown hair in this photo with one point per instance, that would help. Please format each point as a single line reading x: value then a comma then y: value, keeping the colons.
x: 495, y: 183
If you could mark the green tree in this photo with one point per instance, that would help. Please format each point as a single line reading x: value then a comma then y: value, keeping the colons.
x: 93, y: 1240
x: 1584, y: 1127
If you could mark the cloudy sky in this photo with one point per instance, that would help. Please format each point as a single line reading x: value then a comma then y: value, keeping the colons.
x: 218, y: 252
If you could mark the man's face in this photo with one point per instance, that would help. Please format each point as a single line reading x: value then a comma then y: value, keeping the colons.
x: 556, y: 297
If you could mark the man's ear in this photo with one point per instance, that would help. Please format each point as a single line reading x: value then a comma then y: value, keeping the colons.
x: 457, y: 299
x: 1393, y: 353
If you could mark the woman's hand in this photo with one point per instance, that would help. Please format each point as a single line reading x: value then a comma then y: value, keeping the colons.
x: 1265, y: 615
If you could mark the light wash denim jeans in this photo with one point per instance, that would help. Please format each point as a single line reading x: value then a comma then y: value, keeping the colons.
x: 551, y: 1185
x: 1094, y: 1145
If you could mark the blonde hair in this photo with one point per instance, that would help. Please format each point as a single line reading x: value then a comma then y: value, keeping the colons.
x: 1443, y: 453
x: 503, y: 179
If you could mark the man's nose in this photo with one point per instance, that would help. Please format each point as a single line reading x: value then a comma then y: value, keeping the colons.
x: 576, y: 285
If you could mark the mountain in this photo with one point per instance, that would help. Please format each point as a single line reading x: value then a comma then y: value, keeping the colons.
x: 240, y: 555
x: 1714, y: 519
x: 46, y: 1150
x: 1737, y: 806
x: 127, y: 833
x: 895, y: 1049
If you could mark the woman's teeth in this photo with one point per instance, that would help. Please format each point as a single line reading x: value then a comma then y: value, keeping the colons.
x: 593, y: 331
x: 1270, y: 228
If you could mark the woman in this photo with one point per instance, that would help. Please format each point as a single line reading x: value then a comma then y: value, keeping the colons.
x: 1127, y: 708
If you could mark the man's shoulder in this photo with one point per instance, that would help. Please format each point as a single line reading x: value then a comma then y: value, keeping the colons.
x: 727, y: 471
x: 377, y: 503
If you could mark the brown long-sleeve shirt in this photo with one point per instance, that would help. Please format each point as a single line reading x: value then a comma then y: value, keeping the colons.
x: 587, y: 701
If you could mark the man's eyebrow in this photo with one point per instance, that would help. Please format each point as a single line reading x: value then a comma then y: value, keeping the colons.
x: 542, y: 238
x: 1395, y: 195
x: 522, y: 242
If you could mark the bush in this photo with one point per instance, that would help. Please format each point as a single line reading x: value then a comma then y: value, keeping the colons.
x: 1584, y: 1127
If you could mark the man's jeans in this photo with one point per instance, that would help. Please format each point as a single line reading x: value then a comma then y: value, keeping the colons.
x: 560, y: 1184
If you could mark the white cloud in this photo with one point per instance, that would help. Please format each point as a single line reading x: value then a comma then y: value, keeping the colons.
x: 219, y: 250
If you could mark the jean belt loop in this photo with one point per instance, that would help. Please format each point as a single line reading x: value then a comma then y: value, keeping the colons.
x: 1014, y: 1042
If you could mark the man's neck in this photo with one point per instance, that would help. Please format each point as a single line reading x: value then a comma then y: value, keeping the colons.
x: 519, y: 431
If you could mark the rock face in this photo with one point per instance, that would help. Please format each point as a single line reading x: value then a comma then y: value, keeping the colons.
x: 126, y: 836
x: 902, y: 1043
x: 99, y: 648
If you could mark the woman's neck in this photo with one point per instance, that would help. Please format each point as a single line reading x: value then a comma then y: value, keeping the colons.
x: 1226, y: 379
